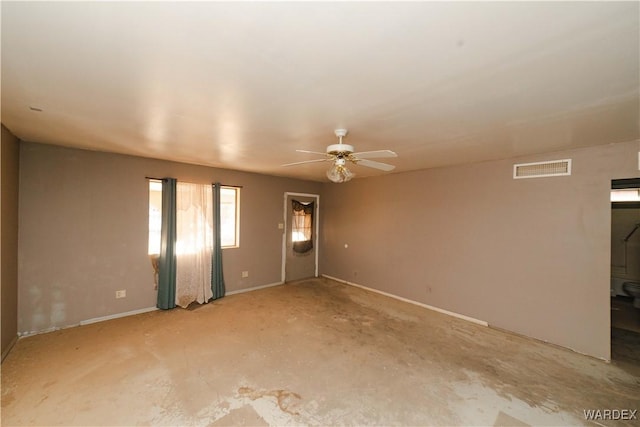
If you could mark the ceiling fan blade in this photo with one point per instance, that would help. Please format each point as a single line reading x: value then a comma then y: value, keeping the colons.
x: 306, y: 161
x: 375, y: 165
x: 311, y: 152
x: 378, y: 154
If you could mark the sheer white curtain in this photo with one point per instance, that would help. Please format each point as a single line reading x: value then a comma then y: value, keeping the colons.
x: 194, y: 243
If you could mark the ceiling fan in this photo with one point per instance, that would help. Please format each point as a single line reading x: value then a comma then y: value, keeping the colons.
x: 341, y: 153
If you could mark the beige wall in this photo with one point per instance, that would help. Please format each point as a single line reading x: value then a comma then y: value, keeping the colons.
x: 531, y: 256
x: 9, y: 159
x: 84, y: 227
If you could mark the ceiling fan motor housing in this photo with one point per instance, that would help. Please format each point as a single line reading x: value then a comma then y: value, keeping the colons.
x: 340, y: 149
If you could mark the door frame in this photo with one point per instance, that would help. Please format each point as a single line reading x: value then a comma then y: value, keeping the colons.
x: 616, y: 183
x: 284, y: 231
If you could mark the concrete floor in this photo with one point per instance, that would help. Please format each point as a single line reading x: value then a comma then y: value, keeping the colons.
x: 313, y: 352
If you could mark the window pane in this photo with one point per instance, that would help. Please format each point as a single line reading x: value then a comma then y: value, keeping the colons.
x: 229, y: 215
x: 626, y: 195
x: 155, y: 215
x: 301, y: 224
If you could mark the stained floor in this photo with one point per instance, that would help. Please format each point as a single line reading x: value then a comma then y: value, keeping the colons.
x: 314, y: 352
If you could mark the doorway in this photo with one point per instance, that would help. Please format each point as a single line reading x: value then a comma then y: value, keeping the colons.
x: 625, y: 270
x: 300, y: 239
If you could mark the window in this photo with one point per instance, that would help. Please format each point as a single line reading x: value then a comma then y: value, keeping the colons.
x: 625, y: 195
x: 302, y: 226
x: 155, y: 215
x: 230, y: 217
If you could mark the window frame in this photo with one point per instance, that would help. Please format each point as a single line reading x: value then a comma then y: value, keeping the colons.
x: 237, y: 216
x: 236, y: 232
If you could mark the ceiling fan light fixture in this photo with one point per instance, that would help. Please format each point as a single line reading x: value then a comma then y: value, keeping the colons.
x: 338, y: 173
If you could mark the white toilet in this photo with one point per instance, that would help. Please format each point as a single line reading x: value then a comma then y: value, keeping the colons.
x: 633, y: 289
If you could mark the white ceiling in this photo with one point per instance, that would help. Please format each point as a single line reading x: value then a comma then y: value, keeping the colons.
x: 242, y: 85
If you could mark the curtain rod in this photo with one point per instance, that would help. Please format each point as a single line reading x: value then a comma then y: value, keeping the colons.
x: 213, y: 183
x: 228, y: 185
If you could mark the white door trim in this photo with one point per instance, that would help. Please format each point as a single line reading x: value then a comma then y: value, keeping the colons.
x: 284, y: 231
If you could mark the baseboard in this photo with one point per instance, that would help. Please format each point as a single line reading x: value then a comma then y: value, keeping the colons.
x: 117, y: 316
x: 130, y: 313
x: 241, y: 291
x: 45, y: 331
x: 9, y: 347
x: 540, y: 340
x: 430, y: 307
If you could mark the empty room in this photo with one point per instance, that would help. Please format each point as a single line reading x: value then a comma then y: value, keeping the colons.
x: 320, y: 213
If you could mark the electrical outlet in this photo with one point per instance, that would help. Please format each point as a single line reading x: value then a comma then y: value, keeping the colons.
x: 245, y: 274
x: 121, y: 294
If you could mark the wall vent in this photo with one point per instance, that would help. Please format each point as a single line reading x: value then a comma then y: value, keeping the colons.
x: 542, y: 169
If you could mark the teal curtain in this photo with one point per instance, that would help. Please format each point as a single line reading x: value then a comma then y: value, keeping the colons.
x: 217, y: 278
x: 167, y: 261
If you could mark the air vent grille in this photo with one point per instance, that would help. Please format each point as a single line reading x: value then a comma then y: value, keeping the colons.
x: 542, y: 169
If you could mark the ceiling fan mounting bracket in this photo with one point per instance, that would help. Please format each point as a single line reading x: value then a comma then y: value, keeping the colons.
x: 340, y: 133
